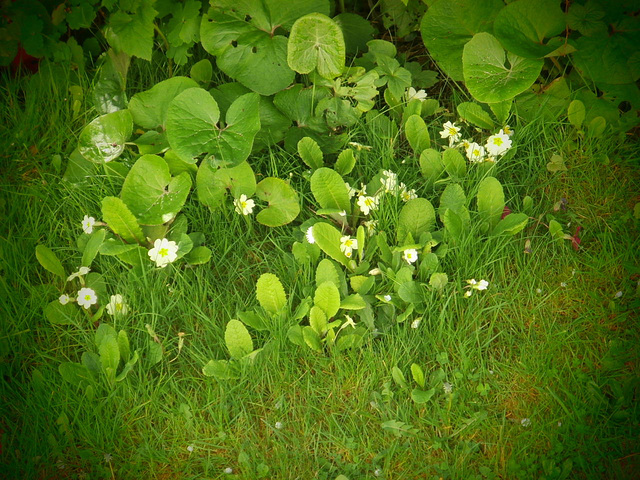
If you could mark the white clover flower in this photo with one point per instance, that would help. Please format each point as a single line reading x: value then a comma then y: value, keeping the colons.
x: 244, y: 205
x: 350, y: 190
x: 117, y: 306
x: 410, y: 255
x: 371, y: 226
x: 81, y: 271
x: 447, y: 387
x: 498, y: 144
x: 387, y: 298
x: 525, y: 422
x: 367, y: 204
x: 389, y: 181
x: 163, y: 252
x: 412, y: 94
x: 88, y: 223
x: 508, y: 130
x: 347, y: 245
x: 475, y: 153
x: 87, y: 297
x: 309, y: 235
x: 64, y: 299
x: 451, y: 132
x: 415, y: 323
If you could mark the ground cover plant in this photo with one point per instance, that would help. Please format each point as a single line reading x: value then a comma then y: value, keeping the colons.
x: 247, y: 241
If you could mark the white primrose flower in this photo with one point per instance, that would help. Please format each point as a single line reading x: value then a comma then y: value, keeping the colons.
x: 475, y: 153
x: 387, y: 298
x: 64, y: 299
x: 498, y: 144
x: 371, y: 226
x: 389, y: 181
x: 405, y: 194
x: 244, y: 205
x: 350, y: 190
x: 87, y: 297
x: 412, y: 94
x: 348, y: 245
x: 410, y: 255
x: 88, y: 223
x: 473, y: 284
x: 309, y: 235
x: 451, y: 132
x: 116, y: 306
x: 447, y: 388
x: 163, y: 252
x: 81, y: 271
x: 508, y: 130
x: 367, y: 204
x: 415, y: 323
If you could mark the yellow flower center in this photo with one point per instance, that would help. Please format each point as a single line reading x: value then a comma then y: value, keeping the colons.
x: 368, y: 202
x: 452, y: 131
x: 348, y: 243
x: 163, y: 252
x: 497, y: 141
x: 476, y: 153
x: 87, y: 297
x: 243, y: 204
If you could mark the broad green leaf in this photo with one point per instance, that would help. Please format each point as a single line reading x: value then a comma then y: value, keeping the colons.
x: 353, y: 302
x: 104, y: 138
x: 438, y: 281
x: 50, y: 261
x: 316, y: 43
x: 395, y: 77
x: 132, y: 32
x: 150, y: 192
x: 59, y: 314
x: 596, y: 127
x: 213, y: 182
x: 270, y: 293
x: 92, y: 362
x: 198, y: 255
x: 220, y: 370
x: 474, y: 114
x: 75, y: 374
x: 103, y: 332
x: 123, y: 345
x: 202, y: 71
x: 327, y: 297
x: 453, y: 223
x: 555, y: 228
x: 576, y: 113
x: 329, y: 189
x: 411, y: 292
x: 417, y: 134
x: 501, y: 110
x: 349, y: 341
x: 453, y: 198
x: 492, y: 75
x: 587, y: 18
x: 398, y: 377
x: 431, y: 165
x: 79, y: 169
x: 326, y: 272
x: 109, y: 89
x: 238, y: 339
x: 418, y: 374
x: 345, y: 162
x: 311, y: 338
x: 556, y: 164
x: 114, y: 246
x: 416, y: 217
x: 421, y: 396
x: 128, y: 367
x: 310, y: 153
x: 151, y: 142
x: 283, y: 202
x: 490, y: 200
x: 109, y: 353
x: 149, y: 108
x: 318, y: 320
x: 522, y: 26
x: 449, y: 24
x: 253, y: 320
x: 120, y: 219
x: 356, y: 31
x: 511, y: 224
x: 328, y: 239
x: 92, y: 247
x: 295, y: 336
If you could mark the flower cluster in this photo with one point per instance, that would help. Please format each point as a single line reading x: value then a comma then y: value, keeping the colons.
x: 495, y: 146
x: 473, y: 284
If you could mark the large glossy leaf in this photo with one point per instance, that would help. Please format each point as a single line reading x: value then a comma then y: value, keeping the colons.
x: 449, y: 24
x: 491, y: 74
x: 316, y: 43
x: 149, y: 108
x: 150, y: 192
x: 283, y: 202
x: 213, y: 182
x: 104, y: 138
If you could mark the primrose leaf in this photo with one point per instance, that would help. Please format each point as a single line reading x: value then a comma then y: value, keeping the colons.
x: 454, y: 163
x: 416, y: 217
x: 92, y: 247
x: 329, y: 190
x: 326, y: 272
x: 327, y: 297
x: 283, y: 202
x: 212, y: 182
x: 576, y: 113
x: 75, y: 373
x: 104, y: 138
x: 474, y: 114
x: 511, y: 224
x: 150, y: 192
x: 490, y: 200
x: 345, y: 162
x: 417, y: 134
x: 316, y: 43
x: 492, y: 75
x: 311, y: 338
x: 220, y: 370
x: 310, y: 152
x: 149, y: 108
x: 318, y: 320
x: 270, y: 293
x: 109, y: 353
x: 418, y: 374
x: 328, y: 239
x: 59, y: 314
x: 431, y: 165
x: 49, y: 261
x: 238, y: 339
x: 454, y: 199
x: 120, y: 219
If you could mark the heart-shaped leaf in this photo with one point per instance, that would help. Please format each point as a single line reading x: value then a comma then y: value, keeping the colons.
x: 149, y: 108
x: 316, y: 43
x: 103, y: 139
x: 283, y: 202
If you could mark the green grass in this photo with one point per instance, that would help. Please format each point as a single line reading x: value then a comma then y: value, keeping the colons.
x: 549, y: 341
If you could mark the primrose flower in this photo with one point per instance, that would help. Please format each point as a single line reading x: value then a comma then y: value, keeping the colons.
x: 87, y: 297
x: 348, y: 321
x: 371, y: 226
x: 348, y: 245
x: 498, y: 144
x: 407, y: 195
x: 447, y: 388
x: 508, y: 130
x: 309, y: 235
x: 88, y: 223
x: 415, y: 323
x: 64, y: 299
x: 163, y: 252
x: 244, y: 205
x: 410, y: 255
x: 475, y: 153
x: 475, y: 285
x: 464, y: 143
x: 117, y: 306
x: 367, y: 204
x: 387, y: 298
x: 412, y: 94
x: 451, y: 132
x: 350, y: 190
x: 389, y: 181
x: 81, y: 271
